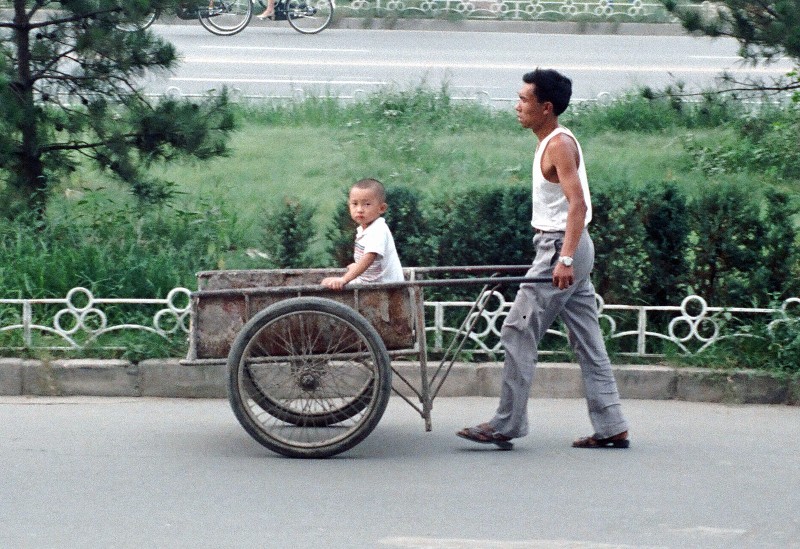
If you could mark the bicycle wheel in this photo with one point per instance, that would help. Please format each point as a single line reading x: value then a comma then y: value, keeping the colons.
x: 226, y: 17
x: 308, y: 377
x: 309, y: 16
x: 141, y: 24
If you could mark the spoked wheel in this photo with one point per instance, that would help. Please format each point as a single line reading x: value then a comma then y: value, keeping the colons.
x: 309, y: 16
x: 309, y: 377
x: 141, y: 24
x: 226, y: 17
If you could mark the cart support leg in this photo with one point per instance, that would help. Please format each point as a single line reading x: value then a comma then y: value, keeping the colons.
x: 425, y: 389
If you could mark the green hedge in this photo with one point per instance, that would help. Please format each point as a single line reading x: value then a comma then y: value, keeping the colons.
x: 731, y: 245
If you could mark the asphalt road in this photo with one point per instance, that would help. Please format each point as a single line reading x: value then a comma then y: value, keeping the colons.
x: 110, y: 472
x: 276, y: 61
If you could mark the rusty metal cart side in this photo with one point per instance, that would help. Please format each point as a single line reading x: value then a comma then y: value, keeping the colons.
x: 309, y: 369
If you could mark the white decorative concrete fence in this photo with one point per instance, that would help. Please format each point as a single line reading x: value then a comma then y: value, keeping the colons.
x: 691, y: 327
x: 512, y: 10
x: 80, y: 319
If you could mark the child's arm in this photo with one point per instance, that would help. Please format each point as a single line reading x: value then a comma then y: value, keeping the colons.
x: 354, y: 270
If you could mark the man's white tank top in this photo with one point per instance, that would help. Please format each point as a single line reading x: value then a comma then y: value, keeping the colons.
x: 549, y: 203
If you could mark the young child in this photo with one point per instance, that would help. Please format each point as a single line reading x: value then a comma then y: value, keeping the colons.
x: 375, y: 257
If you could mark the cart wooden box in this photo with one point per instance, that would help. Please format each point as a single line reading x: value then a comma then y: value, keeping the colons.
x: 226, y: 300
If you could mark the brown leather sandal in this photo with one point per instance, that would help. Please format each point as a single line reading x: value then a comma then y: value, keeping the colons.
x: 485, y: 434
x: 617, y: 441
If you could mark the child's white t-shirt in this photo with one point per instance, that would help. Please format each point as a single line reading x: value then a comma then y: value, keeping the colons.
x: 377, y: 238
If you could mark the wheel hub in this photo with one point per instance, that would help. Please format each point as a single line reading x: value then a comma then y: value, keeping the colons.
x: 309, y: 375
x: 308, y: 381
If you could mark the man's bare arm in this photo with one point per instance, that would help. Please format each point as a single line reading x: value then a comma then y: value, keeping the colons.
x: 562, y: 153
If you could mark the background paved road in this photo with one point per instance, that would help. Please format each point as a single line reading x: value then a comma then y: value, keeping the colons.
x: 110, y: 472
x: 277, y: 61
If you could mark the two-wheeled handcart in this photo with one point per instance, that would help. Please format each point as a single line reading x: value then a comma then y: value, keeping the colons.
x: 310, y: 369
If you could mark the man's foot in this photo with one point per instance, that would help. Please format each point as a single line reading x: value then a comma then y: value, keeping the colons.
x: 616, y: 441
x: 485, y: 434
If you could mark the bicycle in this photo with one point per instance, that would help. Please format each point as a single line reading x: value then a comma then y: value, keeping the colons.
x: 229, y: 17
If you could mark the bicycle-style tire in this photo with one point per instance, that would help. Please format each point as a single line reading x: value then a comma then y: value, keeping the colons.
x: 309, y: 16
x: 226, y: 17
x: 308, y: 377
x: 142, y: 24
x: 252, y: 380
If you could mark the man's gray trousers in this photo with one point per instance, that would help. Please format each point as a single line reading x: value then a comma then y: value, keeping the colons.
x: 534, y: 310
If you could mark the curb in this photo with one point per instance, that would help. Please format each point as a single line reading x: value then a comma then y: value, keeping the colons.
x: 170, y: 378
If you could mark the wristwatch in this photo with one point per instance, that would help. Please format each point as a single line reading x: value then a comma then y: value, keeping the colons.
x: 565, y: 260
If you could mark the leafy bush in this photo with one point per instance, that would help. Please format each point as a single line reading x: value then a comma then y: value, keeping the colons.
x: 622, y: 266
x: 410, y: 227
x: 341, y: 233
x: 767, y: 143
x: 727, y: 235
x: 652, y: 246
x: 780, y: 255
x: 288, y: 233
x: 485, y: 226
x: 666, y: 226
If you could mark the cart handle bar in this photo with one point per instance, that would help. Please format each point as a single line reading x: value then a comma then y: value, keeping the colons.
x: 498, y: 280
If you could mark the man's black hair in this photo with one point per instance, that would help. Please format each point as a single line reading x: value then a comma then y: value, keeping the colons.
x: 552, y: 86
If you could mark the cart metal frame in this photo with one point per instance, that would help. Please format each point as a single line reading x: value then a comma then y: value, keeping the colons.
x: 228, y: 319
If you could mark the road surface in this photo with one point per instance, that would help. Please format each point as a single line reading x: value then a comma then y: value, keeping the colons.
x: 111, y: 472
x: 276, y: 61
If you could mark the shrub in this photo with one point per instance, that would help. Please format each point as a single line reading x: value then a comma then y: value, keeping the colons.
x: 622, y: 267
x: 409, y: 226
x: 767, y: 142
x: 485, y: 226
x: 340, y: 234
x: 780, y: 253
x: 727, y: 240
x: 288, y: 234
x: 666, y: 229
x: 652, y: 245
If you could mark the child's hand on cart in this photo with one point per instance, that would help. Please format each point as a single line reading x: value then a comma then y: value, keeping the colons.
x: 334, y: 282
x: 354, y: 270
